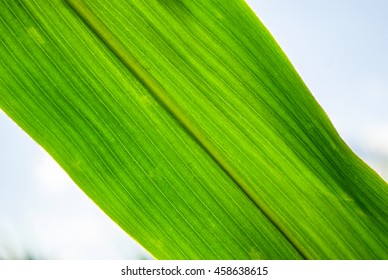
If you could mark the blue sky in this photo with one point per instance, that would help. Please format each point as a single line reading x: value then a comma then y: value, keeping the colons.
x: 338, y: 47
x: 340, y: 50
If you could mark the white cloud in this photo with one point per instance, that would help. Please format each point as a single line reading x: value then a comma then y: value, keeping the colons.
x: 373, y: 140
x: 72, y: 237
x: 50, y: 175
x: 376, y: 139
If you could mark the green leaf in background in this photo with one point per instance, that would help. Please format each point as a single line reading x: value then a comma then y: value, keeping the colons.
x: 186, y: 123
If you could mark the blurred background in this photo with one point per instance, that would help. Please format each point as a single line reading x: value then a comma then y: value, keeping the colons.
x: 338, y: 47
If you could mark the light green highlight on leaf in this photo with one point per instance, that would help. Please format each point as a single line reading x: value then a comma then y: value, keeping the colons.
x: 186, y: 123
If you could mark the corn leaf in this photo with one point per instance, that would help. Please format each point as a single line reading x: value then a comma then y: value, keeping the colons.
x: 187, y: 125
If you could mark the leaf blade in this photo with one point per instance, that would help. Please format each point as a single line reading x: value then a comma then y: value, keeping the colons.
x: 78, y: 127
x: 279, y: 130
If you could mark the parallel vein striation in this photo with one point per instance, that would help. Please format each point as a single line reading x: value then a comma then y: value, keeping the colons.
x: 274, y: 117
x: 160, y: 94
x: 184, y: 121
x: 122, y: 149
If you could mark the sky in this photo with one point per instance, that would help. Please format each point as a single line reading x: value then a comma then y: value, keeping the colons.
x: 338, y: 47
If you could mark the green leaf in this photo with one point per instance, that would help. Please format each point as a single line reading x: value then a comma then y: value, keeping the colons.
x: 186, y: 123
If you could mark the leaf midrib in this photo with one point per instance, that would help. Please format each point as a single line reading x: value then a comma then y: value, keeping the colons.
x: 163, y: 98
